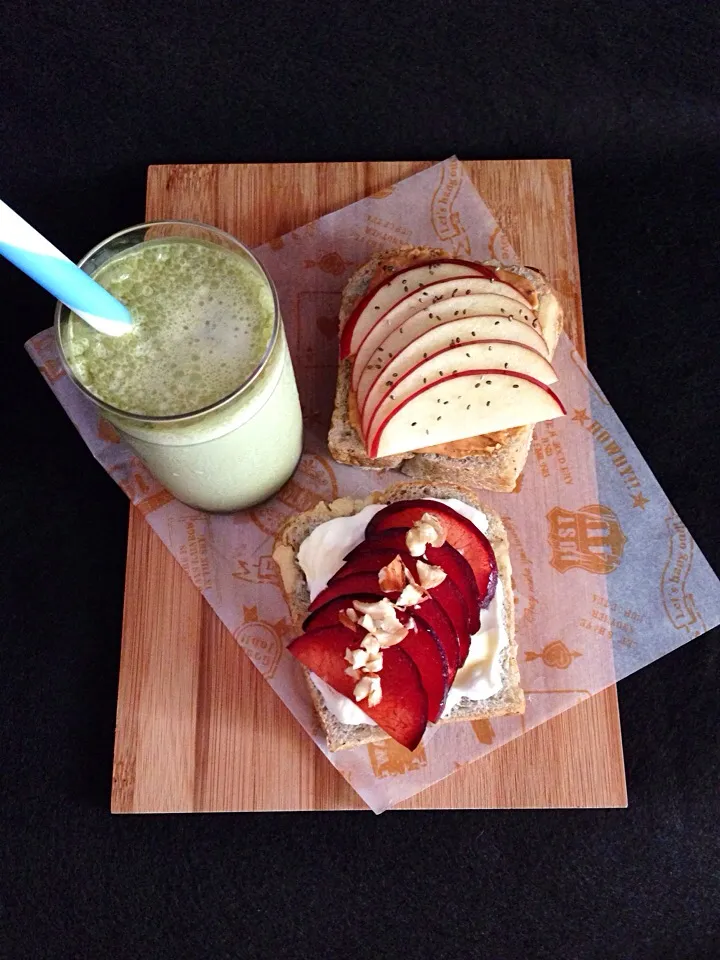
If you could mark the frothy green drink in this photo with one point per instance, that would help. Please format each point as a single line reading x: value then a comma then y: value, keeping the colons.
x: 202, y: 387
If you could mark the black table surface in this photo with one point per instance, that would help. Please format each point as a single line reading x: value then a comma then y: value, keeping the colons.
x: 92, y: 93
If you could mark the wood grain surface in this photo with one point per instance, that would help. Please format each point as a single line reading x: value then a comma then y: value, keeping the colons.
x: 198, y: 729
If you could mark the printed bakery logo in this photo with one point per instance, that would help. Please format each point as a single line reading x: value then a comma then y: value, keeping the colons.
x: 383, y: 233
x: 550, y: 451
x: 616, y: 455
x: 499, y: 247
x: 47, y: 357
x: 188, y: 542
x: 262, y: 641
x: 445, y: 220
x: 522, y: 577
x: 314, y: 480
x: 262, y: 570
x: 106, y: 431
x: 331, y: 263
x: 554, y: 654
x: 389, y: 759
x: 679, y: 605
x: 139, y: 485
x: 483, y: 731
x: 590, y: 539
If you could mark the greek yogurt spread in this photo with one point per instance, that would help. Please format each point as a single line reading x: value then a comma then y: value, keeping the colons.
x: 321, y: 555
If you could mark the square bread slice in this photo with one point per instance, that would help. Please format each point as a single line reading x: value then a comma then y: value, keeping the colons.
x: 501, y: 456
x: 509, y: 699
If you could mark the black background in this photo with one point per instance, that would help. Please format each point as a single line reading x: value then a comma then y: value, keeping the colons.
x: 90, y: 94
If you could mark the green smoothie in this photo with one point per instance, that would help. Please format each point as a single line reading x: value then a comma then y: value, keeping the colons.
x: 204, y: 354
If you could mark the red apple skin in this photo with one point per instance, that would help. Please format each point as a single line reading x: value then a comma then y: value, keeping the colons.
x: 346, y: 335
x: 429, y: 613
x: 432, y: 356
x: 452, y: 562
x: 460, y: 533
x: 403, y: 710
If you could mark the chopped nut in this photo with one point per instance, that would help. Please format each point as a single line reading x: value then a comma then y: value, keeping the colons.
x: 392, y: 577
x: 380, y: 619
x: 375, y: 695
x: 410, y: 595
x: 370, y: 644
x: 374, y: 664
x: 351, y: 672
x: 368, y: 686
x: 426, y: 530
x: 356, y: 658
x: 430, y: 576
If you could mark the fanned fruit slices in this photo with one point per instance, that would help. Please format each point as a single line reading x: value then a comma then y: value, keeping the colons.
x: 394, y: 623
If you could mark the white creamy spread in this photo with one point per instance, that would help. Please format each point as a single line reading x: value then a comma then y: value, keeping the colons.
x: 321, y: 555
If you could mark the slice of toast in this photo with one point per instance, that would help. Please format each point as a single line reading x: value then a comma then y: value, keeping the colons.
x: 499, y: 462
x: 509, y: 699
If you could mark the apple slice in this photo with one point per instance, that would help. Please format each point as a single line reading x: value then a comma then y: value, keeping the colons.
x: 453, y: 563
x: 380, y: 325
x: 384, y: 342
x: 403, y: 710
x: 500, y: 354
x: 429, y: 613
x: 473, y: 403
x: 381, y: 298
x: 460, y: 533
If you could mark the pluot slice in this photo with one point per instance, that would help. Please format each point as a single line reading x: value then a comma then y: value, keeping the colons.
x: 426, y: 651
x: 391, y: 541
x: 447, y: 594
x: 460, y: 532
x: 473, y: 403
x: 382, y: 297
x: 403, y: 710
x: 348, y: 586
x: 421, y: 368
x: 429, y: 613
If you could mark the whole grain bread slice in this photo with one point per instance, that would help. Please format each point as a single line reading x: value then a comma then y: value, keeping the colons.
x: 509, y: 699
x: 500, y: 462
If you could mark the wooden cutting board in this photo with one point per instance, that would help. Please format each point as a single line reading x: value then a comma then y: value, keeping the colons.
x: 198, y: 729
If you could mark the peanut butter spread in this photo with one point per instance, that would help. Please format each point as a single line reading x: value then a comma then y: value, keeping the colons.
x: 458, y: 449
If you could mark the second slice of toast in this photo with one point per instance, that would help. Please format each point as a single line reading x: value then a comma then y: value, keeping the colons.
x: 509, y: 699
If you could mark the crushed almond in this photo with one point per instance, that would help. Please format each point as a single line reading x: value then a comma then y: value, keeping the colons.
x: 356, y: 658
x: 369, y: 686
x: 392, y: 577
x: 374, y: 664
x: 411, y: 595
x: 426, y: 530
x: 351, y: 672
x: 370, y: 644
x: 430, y: 576
x: 380, y: 619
